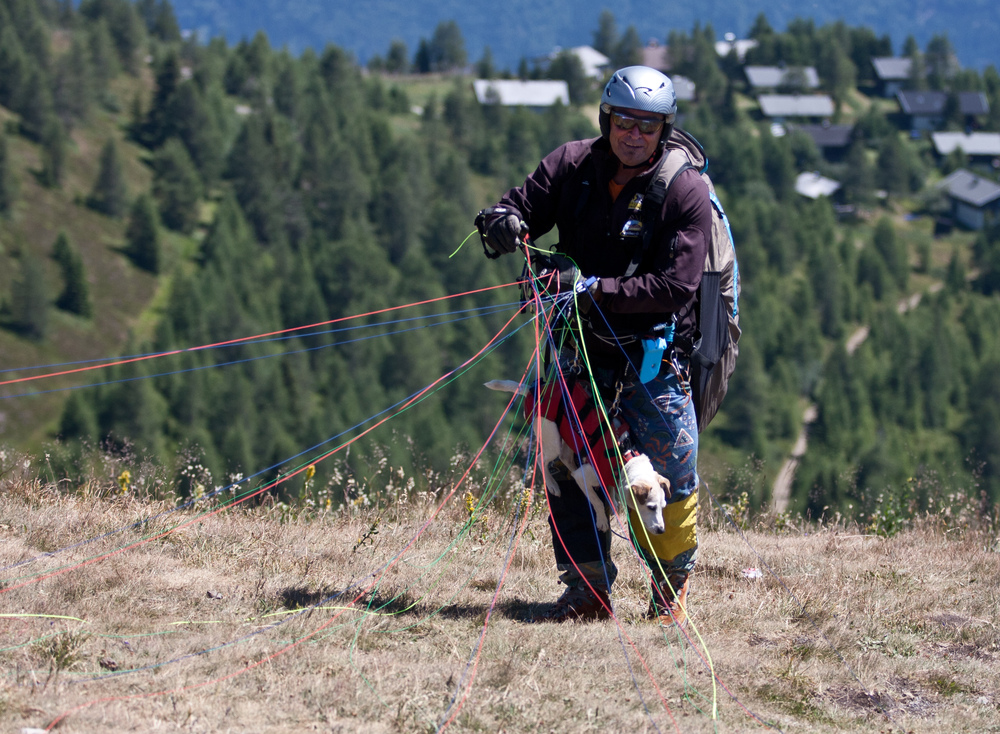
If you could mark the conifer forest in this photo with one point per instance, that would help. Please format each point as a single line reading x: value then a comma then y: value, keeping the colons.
x: 163, y: 194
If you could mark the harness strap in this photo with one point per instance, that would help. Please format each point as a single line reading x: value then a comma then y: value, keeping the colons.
x: 582, y: 428
x: 652, y: 203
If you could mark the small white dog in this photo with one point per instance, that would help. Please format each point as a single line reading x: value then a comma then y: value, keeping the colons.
x: 648, y: 490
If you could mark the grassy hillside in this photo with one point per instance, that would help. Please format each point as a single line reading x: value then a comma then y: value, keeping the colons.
x: 119, y: 291
x: 412, y: 615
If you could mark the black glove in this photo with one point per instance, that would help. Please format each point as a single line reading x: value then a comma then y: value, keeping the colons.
x: 558, y: 273
x: 501, y: 228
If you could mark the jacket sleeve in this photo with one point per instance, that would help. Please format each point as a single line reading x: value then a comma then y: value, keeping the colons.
x: 676, y: 257
x: 538, y: 198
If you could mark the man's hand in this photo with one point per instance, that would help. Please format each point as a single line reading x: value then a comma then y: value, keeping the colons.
x: 588, y: 293
x: 501, y: 228
x: 565, y: 277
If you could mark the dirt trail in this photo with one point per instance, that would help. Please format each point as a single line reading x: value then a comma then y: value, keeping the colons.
x: 783, y: 484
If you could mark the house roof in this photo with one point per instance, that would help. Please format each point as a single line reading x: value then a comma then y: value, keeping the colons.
x: 514, y: 92
x: 892, y: 68
x: 796, y: 105
x: 771, y: 77
x: 922, y: 103
x: 594, y: 62
x: 812, y: 185
x: 973, y: 103
x: 656, y: 56
x: 722, y: 48
x: 970, y: 188
x: 828, y: 136
x: 684, y: 88
x: 970, y: 143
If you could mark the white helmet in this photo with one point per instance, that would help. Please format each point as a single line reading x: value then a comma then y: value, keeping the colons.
x: 639, y: 88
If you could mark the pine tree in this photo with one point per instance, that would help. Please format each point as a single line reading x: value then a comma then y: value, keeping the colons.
x: 35, y: 105
x: 606, y: 35
x: 53, y: 154
x: 78, y: 420
x: 893, y: 251
x: 396, y: 60
x: 109, y: 193
x: 176, y: 186
x: 73, y: 83
x: 199, y: 129
x: 447, y: 47
x: 859, y: 176
x: 8, y: 179
x: 160, y: 123
x: 103, y: 59
x: 13, y: 67
x: 30, y: 299
x: 628, y: 50
x: 75, y: 296
x: 892, y: 168
x: 142, y: 237
x: 124, y: 26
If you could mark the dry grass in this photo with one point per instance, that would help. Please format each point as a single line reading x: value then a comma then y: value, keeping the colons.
x: 201, y: 628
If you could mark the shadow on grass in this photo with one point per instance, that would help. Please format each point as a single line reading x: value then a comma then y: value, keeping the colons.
x: 405, y: 604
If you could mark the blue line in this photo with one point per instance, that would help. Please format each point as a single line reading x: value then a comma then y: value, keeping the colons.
x: 485, y: 310
x: 234, y: 485
x: 238, y: 361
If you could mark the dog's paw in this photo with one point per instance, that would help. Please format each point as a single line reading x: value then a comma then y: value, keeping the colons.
x: 601, y: 521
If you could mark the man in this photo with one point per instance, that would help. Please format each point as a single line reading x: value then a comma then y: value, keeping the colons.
x: 592, y: 192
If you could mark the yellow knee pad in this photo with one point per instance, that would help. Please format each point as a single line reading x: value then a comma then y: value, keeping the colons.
x: 680, y: 534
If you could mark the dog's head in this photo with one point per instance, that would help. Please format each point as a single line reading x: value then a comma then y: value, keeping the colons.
x: 647, y: 493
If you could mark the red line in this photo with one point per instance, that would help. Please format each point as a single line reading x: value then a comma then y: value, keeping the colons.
x: 55, y: 722
x: 143, y: 358
x: 266, y: 487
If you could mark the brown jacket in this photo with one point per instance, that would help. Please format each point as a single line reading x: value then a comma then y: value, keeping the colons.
x: 602, y: 236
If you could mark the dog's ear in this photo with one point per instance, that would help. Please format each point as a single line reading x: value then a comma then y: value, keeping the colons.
x: 641, y: 493
x: 665, y: 483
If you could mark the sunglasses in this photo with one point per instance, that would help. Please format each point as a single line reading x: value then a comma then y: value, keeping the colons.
x: 622, y: 121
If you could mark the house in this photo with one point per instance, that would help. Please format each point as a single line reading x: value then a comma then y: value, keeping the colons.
x: 923, y: 110
x: 656, y: 56
x: 812, y: 185
x: 771, y: 78
x: 974, y: 199
x: 832, y: 140
x: 779, y: 107
x: 891, y: 73
x: 983, y: 146
x: 722, y: 48
x: 972, y: 105
x: 516, y: 93
x: 594, y: 63
x: 684, y: 88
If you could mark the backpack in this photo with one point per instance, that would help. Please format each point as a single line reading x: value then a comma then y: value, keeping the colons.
x: 716, y: 345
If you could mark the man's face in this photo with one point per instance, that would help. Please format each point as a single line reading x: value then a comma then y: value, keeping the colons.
x: 633, y: 146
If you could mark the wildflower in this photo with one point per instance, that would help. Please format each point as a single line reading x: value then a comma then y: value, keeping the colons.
x: 310, y: 472
x: 124, y: 480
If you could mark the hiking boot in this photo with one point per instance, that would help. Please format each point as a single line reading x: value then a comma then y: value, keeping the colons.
x: 578, y: 603
x: 669, y: 602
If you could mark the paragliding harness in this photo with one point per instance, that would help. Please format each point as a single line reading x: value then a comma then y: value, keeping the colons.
x: 582, y: 428
x: 715, y: 347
